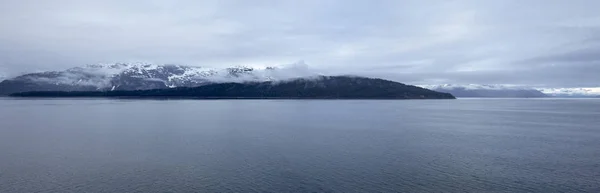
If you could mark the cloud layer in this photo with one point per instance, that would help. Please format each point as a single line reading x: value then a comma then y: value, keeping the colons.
x: 536, y: 42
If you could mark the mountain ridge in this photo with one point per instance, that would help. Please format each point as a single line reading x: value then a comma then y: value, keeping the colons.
x: 139, y: 76
x: 487, y: 91
x: 525, y: 91
x: 322, y: 87
x: 572, y: 92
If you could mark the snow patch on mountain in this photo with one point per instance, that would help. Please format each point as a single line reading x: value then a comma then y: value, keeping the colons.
x: 191, y: 73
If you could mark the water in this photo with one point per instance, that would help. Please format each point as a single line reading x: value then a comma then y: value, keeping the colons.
x: 465, y: 145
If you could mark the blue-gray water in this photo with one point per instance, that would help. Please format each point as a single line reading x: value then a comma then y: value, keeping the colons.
x: 465, y: 145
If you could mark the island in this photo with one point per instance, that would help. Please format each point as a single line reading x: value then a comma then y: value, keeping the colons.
x: 319, y: 87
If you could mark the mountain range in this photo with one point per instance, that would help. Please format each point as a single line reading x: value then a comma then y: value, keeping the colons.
x: 513, y: 91
x: 138, y: 76
x: 145, y: 76
x: 177, y: 81
x: 486, y: 91
x: 571, y: 92
x: 320, y: 87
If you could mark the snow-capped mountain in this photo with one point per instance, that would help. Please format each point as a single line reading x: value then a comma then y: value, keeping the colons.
x: 142, y: 76
x: 475, y: 86
x: 487, y: 90
x: 571, y: 92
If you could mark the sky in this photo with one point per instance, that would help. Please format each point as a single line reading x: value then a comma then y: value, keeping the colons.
x: 550, y: 43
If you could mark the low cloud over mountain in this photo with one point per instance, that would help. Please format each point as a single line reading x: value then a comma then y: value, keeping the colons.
x: 142, y: 76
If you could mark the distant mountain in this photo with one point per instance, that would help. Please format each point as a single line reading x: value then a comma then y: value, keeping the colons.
x: 136, y: 76
x: 572, y: 92
x: 321, y: 87
x: 487, y: 91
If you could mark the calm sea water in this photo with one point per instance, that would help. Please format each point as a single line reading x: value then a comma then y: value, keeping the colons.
x: 465, y: 145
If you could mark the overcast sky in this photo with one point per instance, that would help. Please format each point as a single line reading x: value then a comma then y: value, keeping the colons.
x: 527, y: 42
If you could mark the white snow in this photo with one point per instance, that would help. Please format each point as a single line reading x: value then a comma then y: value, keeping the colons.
x: 192, y: 73
x: 589, y: 91
x: 100, y: 75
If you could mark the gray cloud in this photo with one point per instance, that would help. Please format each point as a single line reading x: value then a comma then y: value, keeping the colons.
x: 537, y: 42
